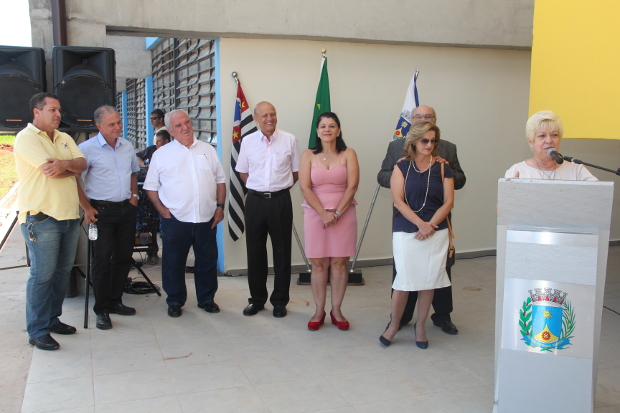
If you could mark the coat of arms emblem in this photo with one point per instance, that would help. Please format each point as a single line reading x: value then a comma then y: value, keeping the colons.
x: 547, y: 319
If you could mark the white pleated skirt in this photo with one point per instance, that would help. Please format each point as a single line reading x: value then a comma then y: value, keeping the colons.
x: 420, y: 265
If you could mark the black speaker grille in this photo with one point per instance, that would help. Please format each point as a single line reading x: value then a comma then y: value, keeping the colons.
x: 16, y: 92
x: 80, y: 96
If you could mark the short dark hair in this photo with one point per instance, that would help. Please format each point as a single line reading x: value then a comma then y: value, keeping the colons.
x: 340, y: 145
x: 38, y: 101
x: 164, y: 134
x: 160, y: 113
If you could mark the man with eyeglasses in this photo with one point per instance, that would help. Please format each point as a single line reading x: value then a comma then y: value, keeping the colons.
x: 442, y: 300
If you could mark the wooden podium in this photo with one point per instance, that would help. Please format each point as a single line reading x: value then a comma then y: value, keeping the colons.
x: 552, y: 244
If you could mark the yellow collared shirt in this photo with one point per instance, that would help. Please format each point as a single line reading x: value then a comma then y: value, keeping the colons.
x: 55, y: 197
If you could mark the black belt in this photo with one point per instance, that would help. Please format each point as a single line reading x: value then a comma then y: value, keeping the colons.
x: 39, y: 217
x: 267, y: 195
x: 108, y: 204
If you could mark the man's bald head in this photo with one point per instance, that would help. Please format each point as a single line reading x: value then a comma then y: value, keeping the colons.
x: 266, y: 118
x: 424, y: 112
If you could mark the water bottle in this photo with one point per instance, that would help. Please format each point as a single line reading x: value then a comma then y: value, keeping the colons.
x: 92, y: 231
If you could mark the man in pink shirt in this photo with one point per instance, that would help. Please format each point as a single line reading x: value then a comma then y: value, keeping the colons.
x: 268, y: 163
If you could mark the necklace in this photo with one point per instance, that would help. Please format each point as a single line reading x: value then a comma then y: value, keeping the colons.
x: 326, y: 156
x: 544, y: 174
x: 428, y: 183
x: 416, y: 169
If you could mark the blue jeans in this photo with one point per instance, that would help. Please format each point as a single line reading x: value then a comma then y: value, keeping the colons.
x: 177, y: 238
x: 52, y: 255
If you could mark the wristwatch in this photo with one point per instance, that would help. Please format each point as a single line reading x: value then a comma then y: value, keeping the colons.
x: 136, y: 195
x: 219, y: 205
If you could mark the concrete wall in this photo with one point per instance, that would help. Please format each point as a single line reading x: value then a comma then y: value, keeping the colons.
x: 132, y: 60
x: 448, y: 22
x: 480, y: 95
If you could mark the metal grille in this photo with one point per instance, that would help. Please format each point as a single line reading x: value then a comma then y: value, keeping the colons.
x: 163, y: 76
x: 184, y: 78
x: 136, y: 116
x: 119, y: 104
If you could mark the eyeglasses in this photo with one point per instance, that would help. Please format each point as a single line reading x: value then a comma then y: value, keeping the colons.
x: 427, y: 116
x: 427, y: 141
x: 154, y: 117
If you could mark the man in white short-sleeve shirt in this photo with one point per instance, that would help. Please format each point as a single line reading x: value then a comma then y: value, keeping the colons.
x: 186, y: 183
x: 268, y: 163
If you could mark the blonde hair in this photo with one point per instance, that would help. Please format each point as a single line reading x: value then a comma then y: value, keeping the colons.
x: 541, y: 120
x: 416, y: 132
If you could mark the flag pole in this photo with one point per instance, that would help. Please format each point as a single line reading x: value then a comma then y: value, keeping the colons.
x: 372, y: 205
x: 301, y: 248
x: 359, y: 244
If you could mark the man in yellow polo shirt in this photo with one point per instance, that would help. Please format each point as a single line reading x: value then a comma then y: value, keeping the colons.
x: 48, y: 163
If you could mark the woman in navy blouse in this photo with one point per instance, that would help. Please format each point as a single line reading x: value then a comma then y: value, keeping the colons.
x: 420, y: 236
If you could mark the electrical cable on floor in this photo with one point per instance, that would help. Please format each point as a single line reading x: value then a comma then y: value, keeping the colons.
x: 139, y: 287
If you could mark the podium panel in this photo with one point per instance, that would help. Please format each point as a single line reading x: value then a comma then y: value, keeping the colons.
x: 552, y: 242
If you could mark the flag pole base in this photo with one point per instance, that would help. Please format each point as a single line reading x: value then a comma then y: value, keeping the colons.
x: 355, y: 278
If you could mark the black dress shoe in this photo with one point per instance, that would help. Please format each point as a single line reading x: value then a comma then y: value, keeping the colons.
x: 279, y: 311
x: 210, y: 307
x: 447, y: 327
x: 252, y: 309
x: 103, y: 321
x: 62, y: 328
x: 121, y: 309
x: 174, y: 311
x: 45, y: 342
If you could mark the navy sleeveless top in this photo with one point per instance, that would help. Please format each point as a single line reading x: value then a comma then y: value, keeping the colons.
x: 415, y: 190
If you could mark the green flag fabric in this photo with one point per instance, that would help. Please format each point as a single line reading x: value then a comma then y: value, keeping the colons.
x: 322, y: 103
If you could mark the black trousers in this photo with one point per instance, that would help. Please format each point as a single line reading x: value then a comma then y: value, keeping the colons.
x: 442, y: 302
x: 116, y: 226
x: 273, y: 217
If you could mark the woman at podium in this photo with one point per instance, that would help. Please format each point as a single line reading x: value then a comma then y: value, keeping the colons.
x: 543, y: 132
x: 423, y: 194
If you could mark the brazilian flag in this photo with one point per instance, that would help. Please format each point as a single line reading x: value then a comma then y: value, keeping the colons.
x: 322, y: 103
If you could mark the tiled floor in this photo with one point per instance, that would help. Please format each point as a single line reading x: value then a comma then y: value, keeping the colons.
x: 230, y: 363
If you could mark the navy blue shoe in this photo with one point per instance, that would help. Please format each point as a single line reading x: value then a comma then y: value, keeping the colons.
x: 421, y: 344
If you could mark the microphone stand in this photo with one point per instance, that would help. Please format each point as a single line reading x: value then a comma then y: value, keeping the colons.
x: 577, y: 161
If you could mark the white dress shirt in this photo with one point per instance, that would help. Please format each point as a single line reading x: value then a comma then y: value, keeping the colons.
x: 269, y: 163
x: 186, y: 179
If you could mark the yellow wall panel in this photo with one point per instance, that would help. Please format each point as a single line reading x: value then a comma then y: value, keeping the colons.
x: 576, y: 65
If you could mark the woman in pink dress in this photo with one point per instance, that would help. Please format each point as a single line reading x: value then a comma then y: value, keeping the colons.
x: 328, y: 177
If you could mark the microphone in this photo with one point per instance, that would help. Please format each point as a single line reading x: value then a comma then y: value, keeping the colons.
x: 555, y: 155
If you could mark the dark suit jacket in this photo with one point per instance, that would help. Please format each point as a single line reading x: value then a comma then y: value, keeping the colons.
x: 447, y: 150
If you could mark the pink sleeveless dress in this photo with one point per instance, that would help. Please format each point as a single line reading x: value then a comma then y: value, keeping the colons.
x: 337, y: 240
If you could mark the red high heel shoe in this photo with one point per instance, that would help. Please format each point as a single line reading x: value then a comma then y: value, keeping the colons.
x: 342, y: 325
x: 314, y: 325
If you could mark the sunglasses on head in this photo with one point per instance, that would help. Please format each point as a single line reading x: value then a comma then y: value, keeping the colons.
x: 425, y: 141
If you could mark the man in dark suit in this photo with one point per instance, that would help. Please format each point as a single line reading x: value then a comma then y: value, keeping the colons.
x: 442, y: 300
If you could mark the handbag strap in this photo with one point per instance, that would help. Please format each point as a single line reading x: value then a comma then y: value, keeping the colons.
x: 448, y: 217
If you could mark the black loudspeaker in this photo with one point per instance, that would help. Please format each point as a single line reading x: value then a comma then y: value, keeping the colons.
x: 22, y: 75
x: 84, y: 79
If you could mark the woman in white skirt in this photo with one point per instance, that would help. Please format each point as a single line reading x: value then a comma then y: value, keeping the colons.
x: 420, y: 236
